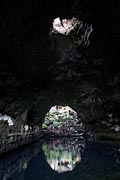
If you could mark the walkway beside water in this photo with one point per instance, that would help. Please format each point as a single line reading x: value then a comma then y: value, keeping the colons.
x: 13, y: 141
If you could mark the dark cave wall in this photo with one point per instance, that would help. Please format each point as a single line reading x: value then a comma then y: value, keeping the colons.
x: 25, y: 57
x: 25, y: 25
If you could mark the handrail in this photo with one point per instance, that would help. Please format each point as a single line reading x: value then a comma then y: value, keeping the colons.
x: 15, y: 140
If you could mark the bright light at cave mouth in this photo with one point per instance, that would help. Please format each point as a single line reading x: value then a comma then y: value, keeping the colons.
x: 64, y: 26
x: 59, y: 116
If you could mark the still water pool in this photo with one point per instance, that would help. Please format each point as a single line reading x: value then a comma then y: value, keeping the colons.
x: 62, y: 159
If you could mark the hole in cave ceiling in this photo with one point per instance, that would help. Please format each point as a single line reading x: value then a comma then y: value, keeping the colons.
x: 64, y: 26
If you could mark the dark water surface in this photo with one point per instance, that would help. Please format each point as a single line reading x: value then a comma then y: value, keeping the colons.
x: 62, y: 159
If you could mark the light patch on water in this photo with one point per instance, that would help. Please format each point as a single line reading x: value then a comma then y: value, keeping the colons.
x: 7, y: 118
x: 62, y: 154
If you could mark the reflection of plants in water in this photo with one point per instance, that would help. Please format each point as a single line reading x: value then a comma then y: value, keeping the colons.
x: 25, y: 164
x: 62, y: 155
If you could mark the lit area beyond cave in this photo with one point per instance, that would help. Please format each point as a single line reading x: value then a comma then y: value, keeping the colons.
x: 63, y: 120
x: 65, y: 26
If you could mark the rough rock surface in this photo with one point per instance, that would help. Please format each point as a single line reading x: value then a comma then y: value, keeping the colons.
x: 4, y: 128
x: 38, y: 69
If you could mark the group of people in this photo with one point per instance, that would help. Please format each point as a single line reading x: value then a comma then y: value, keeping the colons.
x: 25, y: 128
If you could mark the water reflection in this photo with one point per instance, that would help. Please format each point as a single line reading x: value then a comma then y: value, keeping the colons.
x: 63, y: 154
x: 66, y: 159
x: 17, y: 162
